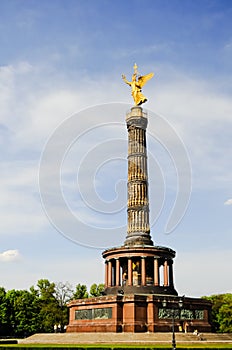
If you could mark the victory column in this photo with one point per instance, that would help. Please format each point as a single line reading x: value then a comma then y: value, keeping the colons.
x: 139, y: 293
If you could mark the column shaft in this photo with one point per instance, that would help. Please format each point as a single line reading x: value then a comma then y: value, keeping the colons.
x: 165, y: 273
x: 171, y: 273
x: 118, y: 282
x: 143, y: 271
x: 106, y: 274
x: 129, y: 272
x: 109, y: 273
x: 156, y: 272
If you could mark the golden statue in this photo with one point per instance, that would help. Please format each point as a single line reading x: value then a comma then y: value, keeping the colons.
x: 136, y: 85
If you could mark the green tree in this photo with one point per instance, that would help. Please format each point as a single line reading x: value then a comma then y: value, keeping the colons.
x: 46, y: 289
x: 217, y: 302
x: 221, y: 312
x: 224, y: 316
x: 23, y: 311
x: 4, y: 316
x: 96, y: 290
x: 49, y: 313
x: 80, y: 292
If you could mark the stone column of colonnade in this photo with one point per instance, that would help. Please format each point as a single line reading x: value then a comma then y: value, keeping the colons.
x: 113, y: 273
x: 138, y: 228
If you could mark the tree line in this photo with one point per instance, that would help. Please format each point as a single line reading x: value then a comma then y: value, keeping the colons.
x: 43, y: 308
x: 221, y: 312
x: 40, y: 309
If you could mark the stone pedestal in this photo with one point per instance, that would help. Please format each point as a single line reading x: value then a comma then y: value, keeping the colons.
x: 136, y: 313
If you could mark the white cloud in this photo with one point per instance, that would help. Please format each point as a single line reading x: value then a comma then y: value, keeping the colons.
x: 228, y: 46
x: 193, y: 103
x: 9, y: 255
x: 228, y: 202
x: 29, y: 271
x: 20, y: 207
x: 35, y: 101
x: 201, y: 115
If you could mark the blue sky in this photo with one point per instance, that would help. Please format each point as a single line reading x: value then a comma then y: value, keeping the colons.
x: 62, y: 58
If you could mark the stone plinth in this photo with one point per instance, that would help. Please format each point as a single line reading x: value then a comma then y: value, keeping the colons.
x: 136, y: 313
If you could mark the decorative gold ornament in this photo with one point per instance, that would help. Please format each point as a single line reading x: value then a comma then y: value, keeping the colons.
x: 136, y: 84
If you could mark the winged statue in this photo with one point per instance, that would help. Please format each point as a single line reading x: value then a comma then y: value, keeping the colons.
x: 136, y: 85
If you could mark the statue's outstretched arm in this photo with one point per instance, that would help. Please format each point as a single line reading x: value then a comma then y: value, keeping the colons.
x: 126, y: 81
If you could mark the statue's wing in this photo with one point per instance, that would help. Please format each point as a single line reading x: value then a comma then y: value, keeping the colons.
x: 143, y: 79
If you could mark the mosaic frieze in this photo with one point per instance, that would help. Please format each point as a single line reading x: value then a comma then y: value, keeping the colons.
x: 183, y: 314
x: 90, y: 314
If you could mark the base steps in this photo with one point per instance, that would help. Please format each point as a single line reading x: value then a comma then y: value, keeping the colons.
x: 117, y: 338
